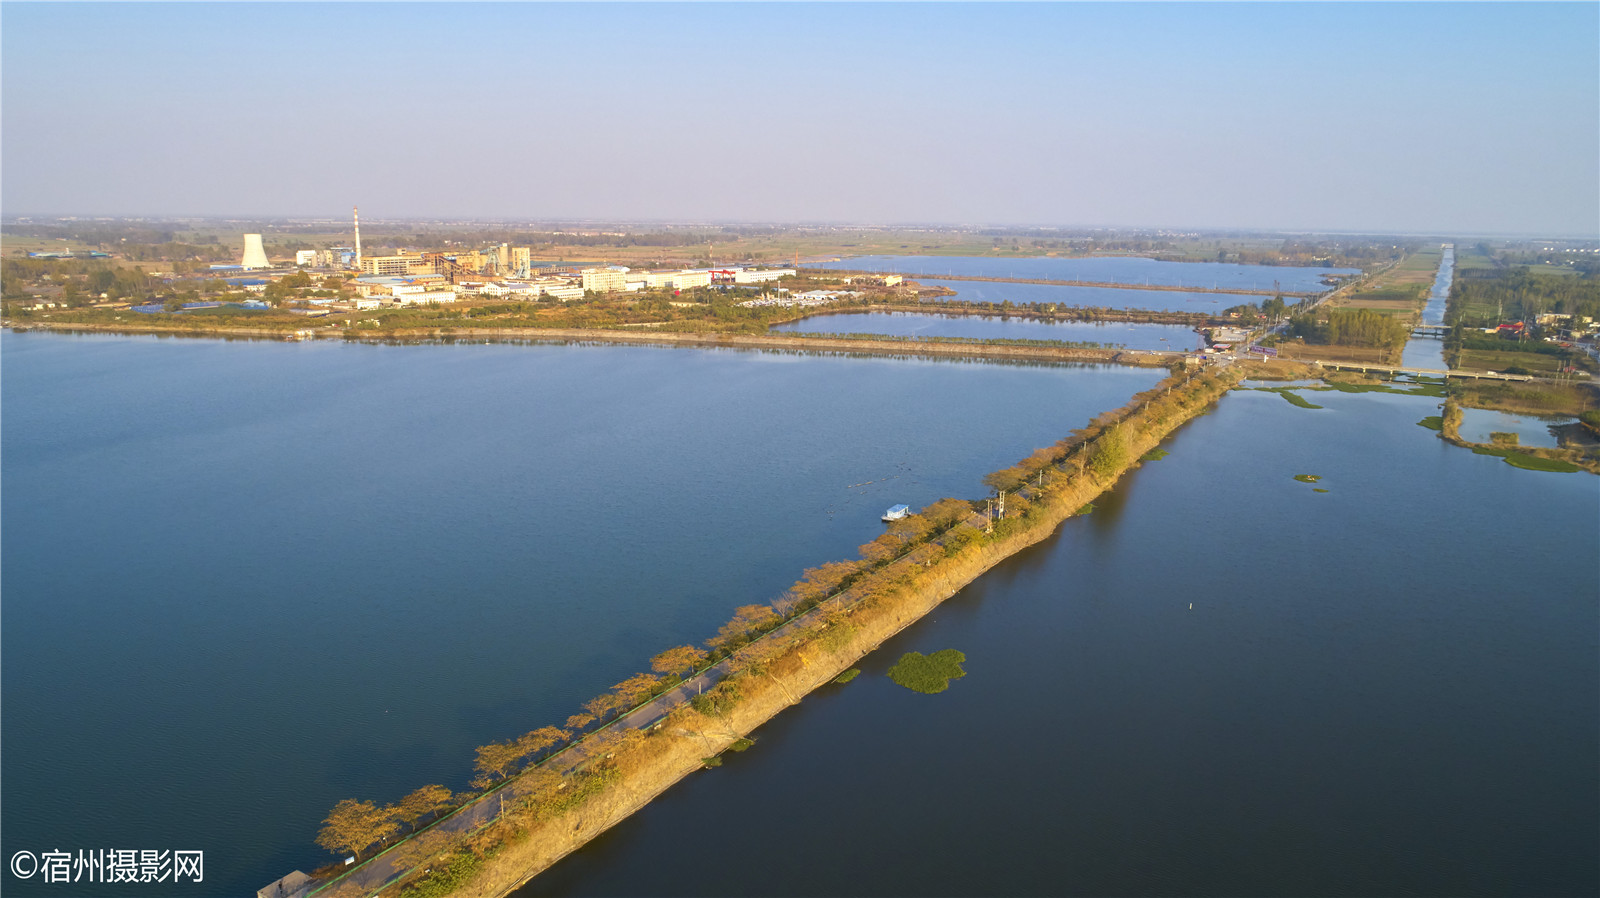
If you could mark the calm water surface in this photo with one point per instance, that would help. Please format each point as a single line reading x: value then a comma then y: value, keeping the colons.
x: 243, y: 581
x: 1091, y: 297
x: 911, y: 324
x: 1103, y: 269
x: 1219, y: 683
x: 1531, y: 430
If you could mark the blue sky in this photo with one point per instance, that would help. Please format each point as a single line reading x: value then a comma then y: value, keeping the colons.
x: 1439, y: 117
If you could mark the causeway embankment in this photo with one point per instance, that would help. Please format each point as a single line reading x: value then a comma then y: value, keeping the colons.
x: 553, y: 808
x: 1016, y: 351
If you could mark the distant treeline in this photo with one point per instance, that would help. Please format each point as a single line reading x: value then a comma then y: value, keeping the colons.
x: 1477, y: 294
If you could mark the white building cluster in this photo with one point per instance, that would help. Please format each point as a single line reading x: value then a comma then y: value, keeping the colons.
x: 378, y: 290
x: 804, y: 300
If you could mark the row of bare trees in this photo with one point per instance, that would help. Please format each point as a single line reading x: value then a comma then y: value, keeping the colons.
x: 354, y: 825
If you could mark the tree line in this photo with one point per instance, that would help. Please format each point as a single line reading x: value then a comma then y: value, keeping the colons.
x: 1517, y: 293
x: 1350, y: 327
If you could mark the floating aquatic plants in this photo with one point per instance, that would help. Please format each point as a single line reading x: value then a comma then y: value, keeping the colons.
x: 928, y: 673
x: 1432, y: 422
x: 847, y: 676
x: 1154, y: 455
x: 1308, y: 478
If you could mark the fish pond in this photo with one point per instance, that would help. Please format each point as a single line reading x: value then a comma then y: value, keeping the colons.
x: 1102, y: 270
x: 1221, y: 680
x: 1091, y: 297
x: 1108, y: 334
x: 246, y: 580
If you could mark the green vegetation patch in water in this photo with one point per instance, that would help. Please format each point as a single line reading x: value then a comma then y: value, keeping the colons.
x: 1086, y: 509
x: 740, y: 744
x: 847, y: 676
x: 1318, y: 489
x: 1422, y: 389
x: 1432, y: 422
x: 1529, y: 462
x: 1540, y: 463
x: 1289, y: 394
x: 1154, y: 455
x: 1296, y: 399
x: 928, y: 674
x: 1308, y: 478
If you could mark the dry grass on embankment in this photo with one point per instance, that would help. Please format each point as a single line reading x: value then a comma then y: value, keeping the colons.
x: 548, y: 817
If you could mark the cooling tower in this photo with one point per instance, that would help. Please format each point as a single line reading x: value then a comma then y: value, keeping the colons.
x: 254, y: 255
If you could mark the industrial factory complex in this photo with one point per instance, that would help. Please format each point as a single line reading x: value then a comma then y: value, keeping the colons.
x: 500, y: 272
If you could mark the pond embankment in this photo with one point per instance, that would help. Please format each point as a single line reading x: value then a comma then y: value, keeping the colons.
x: 551, y: 809
x: 938, y: 348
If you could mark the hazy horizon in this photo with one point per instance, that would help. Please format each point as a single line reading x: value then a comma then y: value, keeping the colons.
x: 1421, y: 119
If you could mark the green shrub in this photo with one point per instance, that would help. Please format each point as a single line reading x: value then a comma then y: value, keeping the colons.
x: 928, y: 673
x: 445, y: 878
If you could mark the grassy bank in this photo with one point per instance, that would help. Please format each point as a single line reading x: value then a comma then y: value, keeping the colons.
x: 774, y: 655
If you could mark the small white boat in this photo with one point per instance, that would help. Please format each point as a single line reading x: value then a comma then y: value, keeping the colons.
x: 897, y: 512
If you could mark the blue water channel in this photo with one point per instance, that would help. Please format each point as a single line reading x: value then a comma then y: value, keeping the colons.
x: 245, y: 580
x: 1427, y: 352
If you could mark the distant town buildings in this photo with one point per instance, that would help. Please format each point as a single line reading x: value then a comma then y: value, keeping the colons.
x: 605, y: 280
x: 398, y: 264
x: 761, y: 276
x: 802, y: 300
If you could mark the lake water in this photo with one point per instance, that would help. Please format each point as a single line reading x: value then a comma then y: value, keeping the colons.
x: 910, y: 324
x: 1091, y: 297
x: 245, y: 580
x: 1102, y: 270
x: 1220, y: 682
x: 1428, y: 352
x: 1531, y: 430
